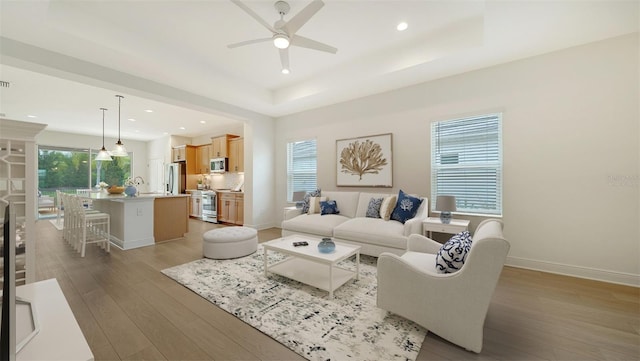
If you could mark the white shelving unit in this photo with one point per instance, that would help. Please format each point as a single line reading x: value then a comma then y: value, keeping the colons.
x: 18, y: 184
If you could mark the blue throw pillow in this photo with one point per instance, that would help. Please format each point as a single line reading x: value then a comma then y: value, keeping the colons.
x: 451, y: 256
x: 406, y: 207
x: 329, y: 207
x: 373, y: 210
x: 305, y: 204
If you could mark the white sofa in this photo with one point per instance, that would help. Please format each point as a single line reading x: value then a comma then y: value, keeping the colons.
x: 374, y: 235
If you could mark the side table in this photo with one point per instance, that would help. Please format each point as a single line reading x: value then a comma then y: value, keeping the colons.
x: 433, y: 224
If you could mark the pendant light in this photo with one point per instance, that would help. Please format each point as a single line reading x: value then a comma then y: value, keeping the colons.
x: 119, y: 150
x: 103, y: 154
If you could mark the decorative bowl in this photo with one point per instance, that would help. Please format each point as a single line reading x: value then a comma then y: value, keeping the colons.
x: 115, y: 190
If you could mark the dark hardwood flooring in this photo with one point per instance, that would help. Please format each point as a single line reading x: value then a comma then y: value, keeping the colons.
x: 128, y: 310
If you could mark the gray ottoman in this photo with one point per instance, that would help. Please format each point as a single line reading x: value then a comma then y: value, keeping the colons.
x: 229, y: 242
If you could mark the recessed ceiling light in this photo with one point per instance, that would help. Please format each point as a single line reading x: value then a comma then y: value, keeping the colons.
x: 183, y: 128
x: 285, y: 71
x: 402, y: 26
x: 202, y: 122
x: 131, y: 119
x: 149, y: 111
x: 31, y: 116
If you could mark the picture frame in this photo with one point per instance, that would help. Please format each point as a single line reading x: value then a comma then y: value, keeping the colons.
x: 365, y: 161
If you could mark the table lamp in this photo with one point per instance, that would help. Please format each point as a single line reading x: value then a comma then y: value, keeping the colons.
x: 446, y: 205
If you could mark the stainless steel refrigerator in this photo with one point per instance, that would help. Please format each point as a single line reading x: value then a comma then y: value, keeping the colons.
x: 175, y: 178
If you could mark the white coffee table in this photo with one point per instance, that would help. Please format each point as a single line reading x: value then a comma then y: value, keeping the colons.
x: 307, y: 265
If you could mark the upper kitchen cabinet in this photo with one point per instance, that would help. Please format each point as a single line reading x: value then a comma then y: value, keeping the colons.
x: 236, y: 155
x: 203, y: 157
x: 221, y: 145
x: 187, y: 154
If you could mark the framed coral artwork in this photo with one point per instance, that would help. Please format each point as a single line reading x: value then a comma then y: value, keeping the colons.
x: 364, y: 161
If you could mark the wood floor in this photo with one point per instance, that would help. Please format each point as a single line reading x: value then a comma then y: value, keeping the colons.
x: 128, y: 310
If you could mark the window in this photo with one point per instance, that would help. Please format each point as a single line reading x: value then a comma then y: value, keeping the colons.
x: 466, y: 162
x: 301, y: 167
x: 68, y: 169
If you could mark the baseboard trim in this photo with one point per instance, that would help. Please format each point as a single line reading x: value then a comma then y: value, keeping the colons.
x: 623, y: 278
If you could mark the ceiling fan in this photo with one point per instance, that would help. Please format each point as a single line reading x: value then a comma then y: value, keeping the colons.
x: 284, y: 32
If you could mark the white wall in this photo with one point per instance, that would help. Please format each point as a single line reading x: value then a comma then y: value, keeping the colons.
x: 570, y: 130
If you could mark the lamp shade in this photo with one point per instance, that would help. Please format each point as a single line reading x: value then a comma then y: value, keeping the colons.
x: 298, y: 196
x: 446, y: 203
x: 103, y: 155
x: 119, y: 150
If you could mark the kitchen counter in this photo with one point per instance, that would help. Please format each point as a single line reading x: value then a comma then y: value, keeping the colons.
x: 145, y: 219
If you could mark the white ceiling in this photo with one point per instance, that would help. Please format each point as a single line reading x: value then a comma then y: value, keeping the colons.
x: 66, y: 59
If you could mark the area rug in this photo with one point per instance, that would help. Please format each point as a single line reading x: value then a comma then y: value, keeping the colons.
x: 301, y: 317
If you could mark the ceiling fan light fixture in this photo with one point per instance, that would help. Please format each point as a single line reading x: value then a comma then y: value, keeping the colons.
x: 281, y: 41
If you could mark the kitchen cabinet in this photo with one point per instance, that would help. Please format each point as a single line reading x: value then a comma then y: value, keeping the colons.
x: 231, y: 207
x: 178, y: 154
x: 187, y: 154
x: 236, y: 155
x: 220, y: 145
x: 203, y: 156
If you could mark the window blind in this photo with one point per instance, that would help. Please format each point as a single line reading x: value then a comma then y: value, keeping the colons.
x: 466, y: 162
x: 301, y: 167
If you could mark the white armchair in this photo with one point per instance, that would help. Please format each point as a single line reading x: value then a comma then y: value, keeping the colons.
x: 453, y: 305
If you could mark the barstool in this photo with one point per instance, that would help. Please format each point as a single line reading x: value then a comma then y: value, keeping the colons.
x: 88, y: 226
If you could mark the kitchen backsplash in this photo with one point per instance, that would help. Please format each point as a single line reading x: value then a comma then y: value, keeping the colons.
x: 223, y: 180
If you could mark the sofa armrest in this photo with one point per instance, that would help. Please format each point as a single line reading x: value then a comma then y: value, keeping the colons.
x: 420, y: 243
x: 291, y: 212
x: 414, y: 225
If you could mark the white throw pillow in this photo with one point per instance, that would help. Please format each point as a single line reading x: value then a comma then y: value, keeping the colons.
x: 314, y: 204
x: 388, y: 204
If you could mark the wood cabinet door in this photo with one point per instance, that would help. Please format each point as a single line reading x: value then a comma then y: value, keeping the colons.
x: 240, y: 210
x: 236, y: 155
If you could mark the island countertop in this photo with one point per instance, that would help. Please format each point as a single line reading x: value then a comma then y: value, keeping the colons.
x: 124, y: 197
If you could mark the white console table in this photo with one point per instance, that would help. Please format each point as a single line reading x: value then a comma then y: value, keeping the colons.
x: 60, y: 337
x: 432, y: 224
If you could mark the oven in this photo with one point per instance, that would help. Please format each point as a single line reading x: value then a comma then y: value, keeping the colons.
x: 209, y: 207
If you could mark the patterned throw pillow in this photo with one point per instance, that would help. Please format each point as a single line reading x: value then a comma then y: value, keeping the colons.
x: 373, y: 210
x: 406, y: 207
x: 329, y: 207
x: 305, y: 204
x: 451, y: 256
x: 386, y: 207
x: 314, y: 204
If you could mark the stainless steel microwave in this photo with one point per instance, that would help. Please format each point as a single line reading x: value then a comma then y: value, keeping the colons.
x: 219, y: 165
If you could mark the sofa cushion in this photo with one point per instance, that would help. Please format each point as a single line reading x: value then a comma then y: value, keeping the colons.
x: 314, y: 224
x: 406, y: 207
x: 372, y: 230
x: 348, y: 201
x: 453, y: 253
x: 363, y: 202
x: 373, y: 210
x: 329, y: 207
x: 305, y: 203
x: 387, y: 206
x: 314, y: 204
x: 425, y: 262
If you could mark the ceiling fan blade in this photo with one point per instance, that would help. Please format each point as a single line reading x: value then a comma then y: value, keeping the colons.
x: 248, y: 42
x: 254, y: 15
x: 303, y: 42
x: 284, y: 58
x: 302, y: 17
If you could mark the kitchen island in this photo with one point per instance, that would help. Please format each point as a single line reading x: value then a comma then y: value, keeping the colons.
x: 145, y: 219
